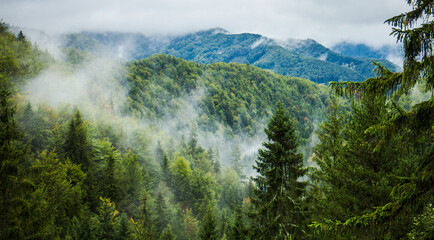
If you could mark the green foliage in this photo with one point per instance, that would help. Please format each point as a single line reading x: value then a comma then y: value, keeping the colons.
x: 58, y: 197
x: 18, y: 59
x: 107, y: 218
x: 77, y: 144
x: 236, y: 162
x: 167, y: 234
x: 144, y: 227
x: 278, y: 191
x: 238, y: 96
x: 239, y: 231
x: 12, y: 202
x: 191, y: 225
x: 399, y: 144
x: 209, y: 225
x: 61, y: 176
x: 181, y: 174
x: 132, y: 182
x: 162, y: 214
x: 423, y: 224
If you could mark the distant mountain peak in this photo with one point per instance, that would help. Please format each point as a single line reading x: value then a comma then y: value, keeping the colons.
x: 212, y: 31
x: 294, y: 57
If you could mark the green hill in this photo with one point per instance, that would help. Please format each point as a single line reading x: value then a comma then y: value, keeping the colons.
x: 239, y: 96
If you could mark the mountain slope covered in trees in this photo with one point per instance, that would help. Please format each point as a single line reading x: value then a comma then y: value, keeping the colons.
x: 298, y: 58
x: 95, y: 147
x: 130, y: 156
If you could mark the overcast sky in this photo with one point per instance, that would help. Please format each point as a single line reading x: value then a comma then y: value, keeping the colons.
x: 327, y: 21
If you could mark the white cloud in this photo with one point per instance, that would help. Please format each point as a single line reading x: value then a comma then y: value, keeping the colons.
x: 325, y: 21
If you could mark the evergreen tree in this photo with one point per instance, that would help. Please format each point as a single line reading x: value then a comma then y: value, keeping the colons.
x: 181, y: 175
x: 412, y: 130
x: 124, y: 228
x: 236, y: 162
x: 208, y: 230
x: 239, y: 231
x: 77, y: 149
x: 144, y: 228
x: 21, y: 36
x: 330, y: 136
x: 191, y: 224
x: 165, y: 167
x: 110, y: 182
x: 57, y: 197
x: 278, y: 191
x: 162, y: 214
x: 213, y: 157
x: 77, y: 146
x: 167, y: 233
x: 107, y: 218
x: 11, y: 185
x: 328, y: 156
x: 132, y: 182
x: 355, y: 177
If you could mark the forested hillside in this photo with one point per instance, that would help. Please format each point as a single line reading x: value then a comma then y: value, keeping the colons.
x: 298, y: 58
x: 127, y: 146
x: 93, y: 146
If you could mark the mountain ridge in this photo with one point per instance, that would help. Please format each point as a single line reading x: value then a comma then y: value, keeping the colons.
x: 291, y: 57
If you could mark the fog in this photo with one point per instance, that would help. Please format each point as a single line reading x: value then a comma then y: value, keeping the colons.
x: 325, y: 21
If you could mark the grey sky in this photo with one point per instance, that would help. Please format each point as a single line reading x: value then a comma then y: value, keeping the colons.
x: 326, y: 21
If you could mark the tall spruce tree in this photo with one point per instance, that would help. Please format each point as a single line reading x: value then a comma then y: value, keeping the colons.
x: 110, y: 181
x: 278, y: 192
x: 167, y: 233
x: 77, y: 146
x: 415, y: 128
x: 12, y: 199
x: 208, y: 229
x: 236, y: 162
x: 144, y: 228
x: 238, y: 231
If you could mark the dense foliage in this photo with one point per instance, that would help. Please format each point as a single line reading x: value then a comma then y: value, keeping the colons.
x: 278, y: 190
x: 386, y: 149
x: 236, y: 95
x: 125, y: 159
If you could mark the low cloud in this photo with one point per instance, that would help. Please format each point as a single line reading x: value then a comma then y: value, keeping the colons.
x: 324, y: 21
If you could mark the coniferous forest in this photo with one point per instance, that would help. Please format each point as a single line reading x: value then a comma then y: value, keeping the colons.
x: 97, y: 147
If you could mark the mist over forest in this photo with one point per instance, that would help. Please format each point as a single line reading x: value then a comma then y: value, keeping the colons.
x: 216, y: 135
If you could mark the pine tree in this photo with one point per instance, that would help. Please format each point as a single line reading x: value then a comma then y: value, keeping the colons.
x: 165, y: 167
x: 77, y: 149
x: 239, y: 231
x: 191, y: 224
x: 330, y: 136
x: 167, y: 233
x: 208, y: 230
x: 132, y: 182
x: 107, y: 216
x: 110, y: 182
x: 355, y: 177
x: 124, y: 228
x: 11, y: 184
x: 162, y: 214
x: 77, y: 146
x: 21, y: 36
x: 144, y: 227
x: 236, y: 162
x: 278, y: 191
x: 414, y: 128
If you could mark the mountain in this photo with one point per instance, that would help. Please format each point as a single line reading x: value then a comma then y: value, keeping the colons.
x: 299, y: 58
x: 238, y: 96
x: 363, y: 51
